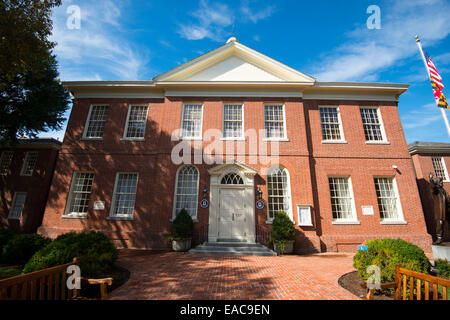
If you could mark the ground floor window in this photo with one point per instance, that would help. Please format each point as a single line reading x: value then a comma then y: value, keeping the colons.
x: 388, y: 200
x: 17, y: 205
x: 342, y: 205
x: 186, y: 190
x: 80, y: 192
x: 124, y: 195
x: 278, y: 191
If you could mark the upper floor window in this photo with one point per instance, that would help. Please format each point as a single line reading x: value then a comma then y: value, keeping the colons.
x: 29, y: 163
x: 136, y: 121
x: 79, y: 194
x: 17, y: 205
x: 331, y: 124
x: 5, y: 162
x: 373, y: 128
x: 95, y: 124
x: 274, y: 121
x: 388, y: 200
x: 233, y: 119
x: 439, y: 168
x: 278, y: 191
x: 342, y: 204
x: 124, y: 195
x: 191, y: 122
x: 186, y: 190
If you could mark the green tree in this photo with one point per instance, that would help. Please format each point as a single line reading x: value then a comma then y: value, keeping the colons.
x: 32, y: 98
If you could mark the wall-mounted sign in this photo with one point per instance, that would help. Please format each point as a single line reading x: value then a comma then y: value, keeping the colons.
x: 204, y: 203
x: 367, y: 210
x: 259, y: 204
x: 99, y: 205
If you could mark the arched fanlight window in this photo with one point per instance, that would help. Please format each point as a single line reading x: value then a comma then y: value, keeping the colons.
x: 232, y: 178
x: 278, y: 191
x: 186, y: 190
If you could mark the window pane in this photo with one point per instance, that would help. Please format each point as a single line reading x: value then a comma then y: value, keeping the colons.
x: 187, y: 190
x: 274, y: 121
x: 5, y: 162
x: 136, y: 122
x: 96, y: 123
x: 17, y: 205
x: 341, y: 199
x: 80, y: 192
x: 371, y: 124
x: 232, y: 120
x: 278, y: 194
x: 192, y: 120
x: 439, y: 168
x: 125, y: 194
x: 387, y: 198
x: 29, y: 163
x: 330, y: 123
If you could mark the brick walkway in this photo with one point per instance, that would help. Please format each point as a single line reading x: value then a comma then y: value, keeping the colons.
x: 174, y: 275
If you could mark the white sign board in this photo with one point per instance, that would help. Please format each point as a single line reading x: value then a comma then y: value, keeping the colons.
x: 367, y: 210
x: 99, y: 205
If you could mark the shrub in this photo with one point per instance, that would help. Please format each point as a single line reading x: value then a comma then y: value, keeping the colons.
x: 22, y: 247
x: 282, y: 227
x: 95, y: 252
x: 386, y: 254
x: 5, y: 236
x: 182, y: 226
x: 443, y: 268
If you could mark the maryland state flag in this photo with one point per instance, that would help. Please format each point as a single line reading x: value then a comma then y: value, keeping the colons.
x: 436, y: 83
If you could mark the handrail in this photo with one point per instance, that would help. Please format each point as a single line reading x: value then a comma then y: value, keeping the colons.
x: 262, y: 235
x: 201, y: 235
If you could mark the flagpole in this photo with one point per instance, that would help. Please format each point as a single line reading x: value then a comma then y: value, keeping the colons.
x: 444, y: 115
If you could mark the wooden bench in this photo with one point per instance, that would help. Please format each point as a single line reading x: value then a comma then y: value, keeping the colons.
x: 47, y: 284
x: 415, y: 282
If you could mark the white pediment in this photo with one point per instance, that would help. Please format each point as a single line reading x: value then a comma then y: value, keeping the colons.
x: 234, y: 69
x: 233, y: 62
x: 233, y: 166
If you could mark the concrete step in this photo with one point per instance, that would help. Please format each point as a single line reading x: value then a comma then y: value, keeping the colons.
x: 232, y: 248
x: 240, y: 253
x: 231, y: 244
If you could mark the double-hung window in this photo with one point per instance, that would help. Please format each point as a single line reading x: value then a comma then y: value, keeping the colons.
x: 331, y: 124
x: 191, y: 122
x: 186, y: 190
x: 342, y: 204
x: 17, y: 205
x: 274, y: 121
x: 124, y: 195
x: 29, y: 163
x: 80, y: 193
x: 278, y: 192
x: 440, y: 168
x: 136, y: 121
x: 373, y: 127
x: 388, y: 199
x: 95, y: 124
x: 5, y: 162
x: 233, y: 121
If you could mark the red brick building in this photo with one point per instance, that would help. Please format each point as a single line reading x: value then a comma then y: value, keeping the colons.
x: 233, y: 126
x: 26, y: 172
x: 431, y: 158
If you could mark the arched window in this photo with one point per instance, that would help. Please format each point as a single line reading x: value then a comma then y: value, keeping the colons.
x: 186, y: 190
x: 278, y: 191
x: 232, y: 178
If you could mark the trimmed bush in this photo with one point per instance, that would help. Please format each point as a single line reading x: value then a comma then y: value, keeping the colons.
x: 5, y: 236
x: 22, y: 247
x: 386, y: 254
x: 442, y: 267
x: 282, y: 227
x: 96, y: 253
x: 182, y: 226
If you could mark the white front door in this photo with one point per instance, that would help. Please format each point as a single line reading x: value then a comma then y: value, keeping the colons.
x: 232, y: 217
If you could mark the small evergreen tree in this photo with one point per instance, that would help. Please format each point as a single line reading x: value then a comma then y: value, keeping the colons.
x: 182, y: 226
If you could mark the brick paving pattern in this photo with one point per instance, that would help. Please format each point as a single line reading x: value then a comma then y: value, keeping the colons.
x: 174, y: 275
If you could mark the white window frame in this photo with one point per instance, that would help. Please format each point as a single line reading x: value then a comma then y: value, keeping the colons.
x: 86, y: 125
x: 341, y: 128
x: 6, y: 155
x: 307, y: 223
x: 383, y: 131
x: 25, y: 163
x: 288, y: 190
x: 174, y: 209
x: 354, y: 218
x: 284, y: 138
x: 67, y: 213
x: 13, y: 204
x: 130, y: 106
x: 444, y: 167
x: 113, y: 216
x: 241, y: 137
x: 401, y: 218
x: 182, y: 136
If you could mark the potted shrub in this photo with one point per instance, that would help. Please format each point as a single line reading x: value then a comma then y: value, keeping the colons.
x: 283, y: 233
x: 181, y: 231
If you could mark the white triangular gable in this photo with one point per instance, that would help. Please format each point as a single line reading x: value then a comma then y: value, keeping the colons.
x: 233, y: 62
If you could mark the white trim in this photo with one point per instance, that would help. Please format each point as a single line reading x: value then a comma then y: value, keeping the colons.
x: 233, y: 93
x: 242, y: 136
x: 112, y: 216
x: 195, y: 218
x: 182, y: 137
x: 25, y: 163
x: 383, y: 131
x: 124, y: 137
x: 304, y: 206
x: 13, y: 203
x: 86, y: 124
x: 400, y: 218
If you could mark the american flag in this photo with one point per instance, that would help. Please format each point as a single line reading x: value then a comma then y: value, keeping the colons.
x: 436, y: 83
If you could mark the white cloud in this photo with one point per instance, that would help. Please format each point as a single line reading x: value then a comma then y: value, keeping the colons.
x: 254, y: 15
x: 366, y: 52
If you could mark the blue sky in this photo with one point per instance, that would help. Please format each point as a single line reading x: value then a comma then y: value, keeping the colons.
x: 329, y: 40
